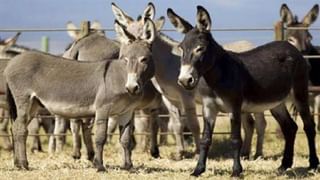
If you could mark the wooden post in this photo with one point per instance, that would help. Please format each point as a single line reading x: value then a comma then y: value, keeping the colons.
x: 279, y: 31
x: 45, y: 44
x: 84, y: 29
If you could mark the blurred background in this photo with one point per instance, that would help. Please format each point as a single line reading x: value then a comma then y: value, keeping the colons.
x: 48, y: 14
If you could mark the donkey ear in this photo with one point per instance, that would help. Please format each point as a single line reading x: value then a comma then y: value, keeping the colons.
x: 286, y: 14
x: 312, y: 15
x: 149, y: 31
x: 11, y: 41
x: 121, y: 16
x: 179, y: 23
x: 159, y: 23
x: 123, y: 35
x: 96, y: 25
x: 203, y: 19
x: 149, y: 12
x: 74, y: 34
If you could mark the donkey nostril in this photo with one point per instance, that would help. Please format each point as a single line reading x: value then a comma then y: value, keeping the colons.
x: 190, y: 81
x: 135, y: 89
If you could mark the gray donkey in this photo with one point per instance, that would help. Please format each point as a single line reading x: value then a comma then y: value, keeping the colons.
x: 9, y: 49
x: 82, y: 89
x: 96, y: 47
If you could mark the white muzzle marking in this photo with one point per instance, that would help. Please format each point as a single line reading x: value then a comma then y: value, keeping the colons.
x: 132, y: 81
x: 185, y: 72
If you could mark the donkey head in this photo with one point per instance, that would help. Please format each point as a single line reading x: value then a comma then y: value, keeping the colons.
x: 135, y: 27
x: 300, y: 38
x: 6, y: 44
x: 137, y: 55
x: 196, y: 47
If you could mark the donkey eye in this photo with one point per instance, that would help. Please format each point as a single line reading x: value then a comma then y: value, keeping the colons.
x: 199, y: 49
x: 143, y: 60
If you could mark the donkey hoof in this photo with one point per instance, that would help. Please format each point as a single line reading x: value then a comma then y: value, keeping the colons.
x: 236, y: 173
x: 23, y: 165
x: 126, y: 166
x: 198, y: 171
x: 76, y: 156
x: 314, y: 162
x: 90, y: 156
x: 155, y: 152
x: 101, y: 169
x: 281, y: 169
x: 258, y: 156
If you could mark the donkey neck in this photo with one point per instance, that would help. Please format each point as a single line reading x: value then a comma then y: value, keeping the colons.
x: 224, y: 72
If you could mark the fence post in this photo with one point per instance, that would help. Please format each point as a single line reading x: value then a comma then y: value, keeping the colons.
x: 84, y: 29
x: 45, y: 44
x: 279, y: 31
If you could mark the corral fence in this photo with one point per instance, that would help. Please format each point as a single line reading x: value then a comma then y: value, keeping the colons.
x: 279, y: 34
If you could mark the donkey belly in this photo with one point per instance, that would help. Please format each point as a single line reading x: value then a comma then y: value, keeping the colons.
x: 258, y: 107
x: 69, y: 110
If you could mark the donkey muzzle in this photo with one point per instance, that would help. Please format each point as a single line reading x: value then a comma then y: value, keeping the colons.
x: 132, y: 85
x: 186, y: 77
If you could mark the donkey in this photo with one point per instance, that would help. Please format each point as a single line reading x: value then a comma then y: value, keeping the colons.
x: 301, y: 39
x: 105, y: 48
x: 9, y: 49
x: 82, y: 89
x: 180, y: 102
x: 240, y: 83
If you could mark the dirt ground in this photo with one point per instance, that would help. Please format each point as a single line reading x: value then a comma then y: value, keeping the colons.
x: 219, y: 165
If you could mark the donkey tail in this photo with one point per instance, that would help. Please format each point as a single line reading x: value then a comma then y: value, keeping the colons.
x: 11, y: 104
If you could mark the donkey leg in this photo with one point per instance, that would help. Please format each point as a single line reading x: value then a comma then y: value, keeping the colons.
x: 33, y: 128
x: 289, y: 129
x: 260, y: 128
x: 25, y: 110
x: 154, y: 149
x: 301, y: 102
x: 75, y: 125
x: 127, y: 139
x: 317, y: 109
x: 101, y: 122
x: 87, y: 138
x: 142, y: 125
x: 248, y: 123
x: 112, y: 126
x: 236, y: 142
x: 177, y: 127
x: 209, y: 119
x: 60, y: 128
x: 162, y: 123
x: 192, y: 123
x: 4, y: 130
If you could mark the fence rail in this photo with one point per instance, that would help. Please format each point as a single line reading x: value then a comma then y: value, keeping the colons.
x: 164, y: 30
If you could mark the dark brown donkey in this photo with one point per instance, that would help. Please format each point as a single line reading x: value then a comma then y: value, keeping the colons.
x: 241, y: 82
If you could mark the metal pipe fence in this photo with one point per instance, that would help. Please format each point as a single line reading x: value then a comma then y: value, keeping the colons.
x: 257, y: 29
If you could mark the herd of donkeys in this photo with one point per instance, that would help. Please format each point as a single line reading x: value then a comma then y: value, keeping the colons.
x: 128, y: 82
